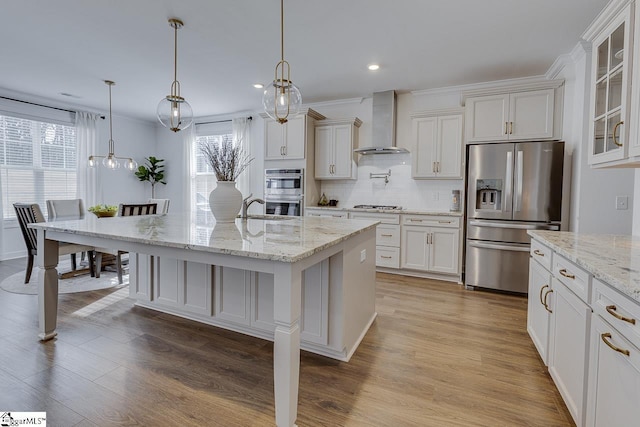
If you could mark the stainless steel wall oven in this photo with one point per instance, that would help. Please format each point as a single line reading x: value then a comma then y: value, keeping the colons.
x: 283, y: 192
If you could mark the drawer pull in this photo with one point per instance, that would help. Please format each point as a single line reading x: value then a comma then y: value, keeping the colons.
x: 542, y: 290
x: 386, y: 235
x: 563, y: 271
x: 385, y: 257
x: 537, y: 252
x: 546, y: 306
x: 415, y: 220
x: 444, y: 222
x: 611, y: 309
x: 618, y: 349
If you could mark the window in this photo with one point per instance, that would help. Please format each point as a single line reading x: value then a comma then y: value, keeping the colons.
x: 204, y: 180
x: 37, y: 162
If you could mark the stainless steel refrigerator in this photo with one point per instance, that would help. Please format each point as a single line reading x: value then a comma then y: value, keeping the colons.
x: 511, y: 188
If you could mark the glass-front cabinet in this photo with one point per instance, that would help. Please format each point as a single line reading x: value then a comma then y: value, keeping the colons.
x: 609, y: 134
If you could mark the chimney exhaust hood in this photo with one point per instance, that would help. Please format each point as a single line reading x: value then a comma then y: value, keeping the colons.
x: 383, y: 133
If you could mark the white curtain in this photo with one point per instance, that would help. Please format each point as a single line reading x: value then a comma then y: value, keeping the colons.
x: 241, y: 133
x: 189, y: 159
x: 86, y: 143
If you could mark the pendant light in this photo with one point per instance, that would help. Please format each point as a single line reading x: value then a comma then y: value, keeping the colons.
x: 174, y: 112
x: 281, y: 99
x: 111, y: 161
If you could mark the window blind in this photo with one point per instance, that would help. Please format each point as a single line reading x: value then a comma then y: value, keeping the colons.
x: 37, y: 162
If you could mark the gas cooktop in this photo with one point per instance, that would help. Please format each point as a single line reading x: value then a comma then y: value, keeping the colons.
x: 383, y: 207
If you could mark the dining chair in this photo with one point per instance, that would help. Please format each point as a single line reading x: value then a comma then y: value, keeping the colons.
x: 163, y: 205
x: 30, y: 213
x: 123, y: 210
x: 65, y: 209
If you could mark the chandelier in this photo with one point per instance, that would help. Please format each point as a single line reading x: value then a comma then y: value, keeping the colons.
x: 111, y: 161
x: 281, y: 99
x: 174, y: 112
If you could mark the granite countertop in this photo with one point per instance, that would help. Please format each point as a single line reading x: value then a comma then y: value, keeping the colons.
x: 287, y: 239
x: 389, y: 211
x: 610, y: 258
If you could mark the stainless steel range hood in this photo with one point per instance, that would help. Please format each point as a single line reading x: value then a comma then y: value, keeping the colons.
x: 383, y: 133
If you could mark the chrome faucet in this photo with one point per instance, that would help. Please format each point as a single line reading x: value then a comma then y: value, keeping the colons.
x: 246, y: 203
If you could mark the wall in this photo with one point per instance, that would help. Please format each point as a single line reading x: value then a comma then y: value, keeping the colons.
x: 593, y: 190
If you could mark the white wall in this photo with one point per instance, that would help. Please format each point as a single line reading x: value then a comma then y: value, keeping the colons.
x: 593, y: 190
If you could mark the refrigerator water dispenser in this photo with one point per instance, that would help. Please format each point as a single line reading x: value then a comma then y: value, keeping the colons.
x: 489, y: 194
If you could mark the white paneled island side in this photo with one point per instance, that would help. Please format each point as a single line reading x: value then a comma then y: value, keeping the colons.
x: 302, y: 282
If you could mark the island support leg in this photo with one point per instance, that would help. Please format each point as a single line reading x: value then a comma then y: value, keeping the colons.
x: 287, y: 298
x: 47, y: 260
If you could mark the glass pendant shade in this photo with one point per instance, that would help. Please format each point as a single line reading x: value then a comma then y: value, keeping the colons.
x: 110, y: 162
x: 174, y: 113
x: 281, y: 100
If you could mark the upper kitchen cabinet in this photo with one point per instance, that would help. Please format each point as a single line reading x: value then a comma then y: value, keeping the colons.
x: 289, y: 141
x: 437, y: 144
x: 335, y: 141
x: 513, y: 116
x: 614, y: 101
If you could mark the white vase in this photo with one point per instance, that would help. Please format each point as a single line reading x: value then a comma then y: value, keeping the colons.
x: 225, y: 201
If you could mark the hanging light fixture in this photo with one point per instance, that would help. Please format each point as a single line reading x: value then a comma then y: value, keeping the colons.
x: 174, y: 112
x: 111, y: 161
x: 281, y: 99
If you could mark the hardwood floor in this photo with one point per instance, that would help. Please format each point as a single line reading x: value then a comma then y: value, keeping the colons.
x: 437, y: 355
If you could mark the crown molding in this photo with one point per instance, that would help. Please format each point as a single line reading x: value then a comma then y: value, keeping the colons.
x: 604, y: 17
x: 350, y: 120
x: 336, y: 102
x: 305, y: 111
x: 436, y: 112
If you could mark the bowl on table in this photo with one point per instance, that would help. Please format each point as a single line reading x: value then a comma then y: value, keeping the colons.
x: 104, y: 210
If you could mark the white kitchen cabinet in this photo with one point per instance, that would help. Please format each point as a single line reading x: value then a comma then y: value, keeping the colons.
x: 437, y: 145
x: 569, y: 348
x: 539, y: 307
x: 326, y: 212
x: 611, y: 82
x: 515, y: 116
x: 387, y: 237
x: 426, y: 247
x: 335, y: 141
x: 289, y: 141
x: 614, y: 372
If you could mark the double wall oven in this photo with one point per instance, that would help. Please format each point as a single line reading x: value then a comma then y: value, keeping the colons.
x: 283, y: 192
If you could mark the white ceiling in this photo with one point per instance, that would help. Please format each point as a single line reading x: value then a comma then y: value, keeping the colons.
x: 70, y: 46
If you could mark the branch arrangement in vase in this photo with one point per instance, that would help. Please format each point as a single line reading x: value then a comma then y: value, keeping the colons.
x: 227, y: 159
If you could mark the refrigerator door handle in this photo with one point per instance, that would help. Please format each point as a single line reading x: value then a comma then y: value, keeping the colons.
x: 517, y: 204
x: 508, y: 188
x: 498, y: 246
x: 488, y: 224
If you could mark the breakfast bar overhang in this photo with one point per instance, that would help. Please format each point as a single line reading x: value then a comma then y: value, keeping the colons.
x: 284, y: 248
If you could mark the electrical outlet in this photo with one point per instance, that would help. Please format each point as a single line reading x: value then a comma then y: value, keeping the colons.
x: 622, y: 203
x: 363, y: 255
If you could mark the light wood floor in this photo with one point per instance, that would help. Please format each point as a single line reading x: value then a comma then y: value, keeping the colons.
x: 437, y: 355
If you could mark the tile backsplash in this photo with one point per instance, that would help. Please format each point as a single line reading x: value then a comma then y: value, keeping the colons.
x: 416, y: 194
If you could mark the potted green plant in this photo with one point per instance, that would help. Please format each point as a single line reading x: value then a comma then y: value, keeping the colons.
x: 228, y: 160
x: 152, y: 171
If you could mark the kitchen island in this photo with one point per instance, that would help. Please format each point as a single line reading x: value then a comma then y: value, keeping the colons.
x: 291, y: 253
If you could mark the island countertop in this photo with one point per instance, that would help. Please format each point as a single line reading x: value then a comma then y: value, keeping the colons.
x: 614, y: 259
x: 286, y: 239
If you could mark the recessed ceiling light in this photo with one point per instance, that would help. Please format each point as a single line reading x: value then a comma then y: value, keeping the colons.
x: 258, y: 85
x: 373, y: 67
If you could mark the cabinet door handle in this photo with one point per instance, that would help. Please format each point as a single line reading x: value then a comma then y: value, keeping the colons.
x: 563, y: 271
x: 387, y: 235
x: 431, y: 238
x: 438, y: 167
x: 537, y: 252
x: 611, y: 309
x: 433, y: 168
x: 546, y: 306
x: 618, y: 349
x: 542, y: 290
x: 510, y: 128
x: 615, y: 130
x: 506, y: 128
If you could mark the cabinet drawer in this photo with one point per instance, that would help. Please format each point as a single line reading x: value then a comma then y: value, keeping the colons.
x: 541, y: 254
x: 382, y: 217
x: 387, y: 257
x: 574, y: 277
x: 431, y: 220
x: 618, y: 310
x: 388, y: 235
x: 326, y: 213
